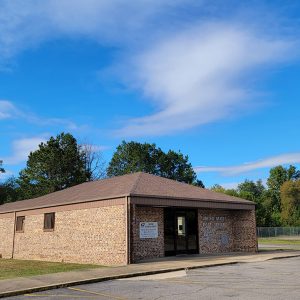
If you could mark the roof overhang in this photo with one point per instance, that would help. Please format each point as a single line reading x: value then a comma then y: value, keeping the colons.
x: 195, y: 203
x: 151, y: 200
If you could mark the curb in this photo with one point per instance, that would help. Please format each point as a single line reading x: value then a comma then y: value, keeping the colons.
x: 122, y: 276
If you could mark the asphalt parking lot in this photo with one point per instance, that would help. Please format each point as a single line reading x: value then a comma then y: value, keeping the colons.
x: 273, y: 279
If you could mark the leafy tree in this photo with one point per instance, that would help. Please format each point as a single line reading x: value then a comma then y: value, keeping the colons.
x: 256, y: 192
x: 199, y: 183
x: 218, y: 188
x: 290, y: 203
x: 277, y: 177
x: 174, y: 165
x: 9, y: 191
x: 134, y: 157
x: 271, y: 208
x: 232, y: 192
x: 56, y: 165
x: 1, y: 169
x: 251, y: 190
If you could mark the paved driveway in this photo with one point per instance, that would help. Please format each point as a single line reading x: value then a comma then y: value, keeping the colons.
x: 274, y: 279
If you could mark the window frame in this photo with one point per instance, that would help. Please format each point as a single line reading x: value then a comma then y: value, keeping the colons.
x: 45, y: 223
x: 22, y: 222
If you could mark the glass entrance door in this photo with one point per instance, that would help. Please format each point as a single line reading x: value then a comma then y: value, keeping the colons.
x: 181, y: 231
x: 181, y: 236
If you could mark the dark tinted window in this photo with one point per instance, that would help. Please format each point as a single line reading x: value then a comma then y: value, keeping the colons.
x: 49, y: 221
x: 169, y: 230
x: 20, y: 224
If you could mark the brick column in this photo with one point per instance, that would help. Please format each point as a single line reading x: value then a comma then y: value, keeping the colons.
x: 244, y: 231
x: 146, y: 248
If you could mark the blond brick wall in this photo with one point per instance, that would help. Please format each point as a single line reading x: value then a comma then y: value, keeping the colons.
x: 227, y: 231
x: 215, y: 231
x: 244, y: 230
x: 219, y: 231
x: 6, y: 235
x: 146, y: 248
x: 96, y: 235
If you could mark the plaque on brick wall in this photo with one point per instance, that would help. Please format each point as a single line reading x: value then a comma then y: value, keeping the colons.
x: 148, y: 230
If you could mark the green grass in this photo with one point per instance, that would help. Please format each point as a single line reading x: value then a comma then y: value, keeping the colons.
x: 278, y: 241
x: 10, y: 268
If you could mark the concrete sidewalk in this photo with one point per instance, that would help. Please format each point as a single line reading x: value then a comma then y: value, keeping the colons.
x: 17, y: 286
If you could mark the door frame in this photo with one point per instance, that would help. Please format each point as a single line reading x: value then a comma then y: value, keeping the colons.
x: 178, y: 214
x: 181, y: 211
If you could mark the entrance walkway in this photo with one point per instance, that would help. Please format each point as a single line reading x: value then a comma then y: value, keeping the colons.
x: 45, y: 282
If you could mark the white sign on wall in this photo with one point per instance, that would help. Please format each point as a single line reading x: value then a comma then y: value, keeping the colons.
x: 148, y: 230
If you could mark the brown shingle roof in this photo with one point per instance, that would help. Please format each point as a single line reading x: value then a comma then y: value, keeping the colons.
x: 136, y: 184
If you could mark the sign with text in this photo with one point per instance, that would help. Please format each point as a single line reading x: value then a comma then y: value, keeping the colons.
x: 148, y: 230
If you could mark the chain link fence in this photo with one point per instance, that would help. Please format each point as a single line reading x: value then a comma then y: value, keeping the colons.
x: 263, y: 232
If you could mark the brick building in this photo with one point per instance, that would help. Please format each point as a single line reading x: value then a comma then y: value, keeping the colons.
x: 125, y: 219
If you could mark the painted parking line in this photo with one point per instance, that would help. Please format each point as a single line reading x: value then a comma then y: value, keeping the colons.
x: 78, y: 296
x: 58, y: 296
x: 97, y: 293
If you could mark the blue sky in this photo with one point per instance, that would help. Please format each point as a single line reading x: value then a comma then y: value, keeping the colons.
x: 218, y: 81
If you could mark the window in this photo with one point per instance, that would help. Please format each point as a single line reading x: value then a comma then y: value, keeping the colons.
x: 49, y: 221
x: 20, y: 224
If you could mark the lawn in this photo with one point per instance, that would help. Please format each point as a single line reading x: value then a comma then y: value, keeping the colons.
x: 279, y: 241
x: 10, y: 268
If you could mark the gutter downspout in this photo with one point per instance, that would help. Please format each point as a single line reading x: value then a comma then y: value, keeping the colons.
x: 14, y: 235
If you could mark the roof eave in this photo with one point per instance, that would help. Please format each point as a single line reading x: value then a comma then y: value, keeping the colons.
x: 242, y: 201
x: 64, y: 204
x: 246, y: 202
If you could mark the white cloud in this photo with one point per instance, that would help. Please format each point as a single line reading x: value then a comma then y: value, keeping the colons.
x: 94, y: 148
x: 24, y: 24
x: 283, y: 159
x: 192, y: 76
x: 21, y: 149
x: 7, y: 110
x: 97, y: 148
x: 68, y: 124
x: 200, y: 75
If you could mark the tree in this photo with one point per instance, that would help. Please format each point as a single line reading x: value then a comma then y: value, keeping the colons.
x: 220, y: 189
x: 134, y: 157
x: 1, y: 169
x: 57, y: 164
x: 290, y: 203
x: 256, y: 192
x: 277, y: 177
x: 251, y: 190
x: 9, y: 191
x: 93, y: 161
x: 271, y: 208
x: 174, y: 165
x: 199, y: 183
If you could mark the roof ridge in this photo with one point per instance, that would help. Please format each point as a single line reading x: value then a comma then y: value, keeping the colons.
x: 107, y: 179
x: 136, y: 182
